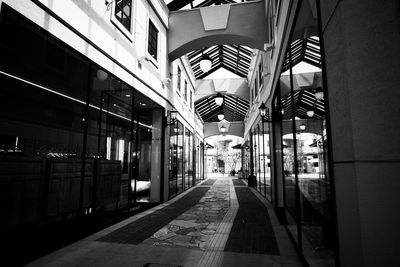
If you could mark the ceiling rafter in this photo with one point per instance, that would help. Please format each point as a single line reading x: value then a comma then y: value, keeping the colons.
x: 233, y: 107
x: 236, y: 57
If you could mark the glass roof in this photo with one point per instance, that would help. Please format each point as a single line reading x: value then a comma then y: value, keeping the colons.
x: 188, y: 4
x: 234, y: 58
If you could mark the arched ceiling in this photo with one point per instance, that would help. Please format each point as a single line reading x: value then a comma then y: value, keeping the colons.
x: 234, y: 58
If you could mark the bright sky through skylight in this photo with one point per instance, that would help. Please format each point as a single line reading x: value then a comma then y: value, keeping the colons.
x: 222, y: 73
x: 302, y: 67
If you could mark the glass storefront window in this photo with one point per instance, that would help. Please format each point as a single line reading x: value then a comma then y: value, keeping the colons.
x: 188, y: 158
x: 261, y: 159
x: 173, y: 160
x: 301, y: 102
x: 267, y: 160
x: 256, y: 166
x: 80, y: 129
x: 180, y: 170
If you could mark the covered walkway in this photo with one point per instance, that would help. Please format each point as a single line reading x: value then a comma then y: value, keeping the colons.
x: 220, y: 222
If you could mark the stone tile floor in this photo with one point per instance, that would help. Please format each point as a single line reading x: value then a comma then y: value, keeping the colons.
x: 196, y: 227
x: 197, y: 237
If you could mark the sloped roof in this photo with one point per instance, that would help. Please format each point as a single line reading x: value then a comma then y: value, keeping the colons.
x: 235, y: 58
x: 234, y: 108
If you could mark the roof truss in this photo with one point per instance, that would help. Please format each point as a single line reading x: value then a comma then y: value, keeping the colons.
x: 303, y: 101
x: 235, y: 58
x: 306, y: 50
x: 233, y: 108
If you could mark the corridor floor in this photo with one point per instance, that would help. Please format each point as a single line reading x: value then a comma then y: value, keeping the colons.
x: 220, y: 222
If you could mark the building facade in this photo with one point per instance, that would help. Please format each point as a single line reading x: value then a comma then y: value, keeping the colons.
x: 324, y: 83
x: 87, y: 98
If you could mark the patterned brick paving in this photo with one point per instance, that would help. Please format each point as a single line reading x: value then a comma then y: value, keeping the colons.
x: 143, y: 228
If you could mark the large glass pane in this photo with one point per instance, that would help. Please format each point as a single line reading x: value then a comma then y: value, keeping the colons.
x: 256, y: 168
x: 180, y: 173
x: 187, y: 162
x: 111, y: 140
x: 262, y: 158
x: 202, y: 163
x: 246, y: 159
x: 42, y: 124
x: 307, y: 184
x: 173, y: 160
x: 267, y: 161
x: 289, y: 159
x: 189, y: 170
x: 197, y: 158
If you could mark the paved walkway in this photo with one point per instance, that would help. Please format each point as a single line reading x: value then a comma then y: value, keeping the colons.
x: 220, y: 222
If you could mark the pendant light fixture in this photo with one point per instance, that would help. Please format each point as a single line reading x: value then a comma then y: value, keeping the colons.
x: 205, y: 62
x: 101, y: 74
x: 318, y: 93
x: 219, y: 99
x: 221, y: 116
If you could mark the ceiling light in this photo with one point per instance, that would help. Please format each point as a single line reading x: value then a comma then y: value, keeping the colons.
x: 302, y: 127
x: 101, y: 74
x: 222, y: 129
x: 318, y: 93
x: 310, y: 113
x: 128, y: 95
x: 219, y: 99
x: 205, y: 63
x: 221, y: 116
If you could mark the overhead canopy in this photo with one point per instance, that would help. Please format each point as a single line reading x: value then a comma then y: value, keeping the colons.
x: 226, y: 38
x: 232, y: 86
x: 305, y: 84
x: 235, y: 58
x: 304, y: 50
x: 304, y: 100
x: 234, y: 108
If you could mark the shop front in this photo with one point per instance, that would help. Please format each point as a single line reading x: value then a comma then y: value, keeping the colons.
x: 74, y: 139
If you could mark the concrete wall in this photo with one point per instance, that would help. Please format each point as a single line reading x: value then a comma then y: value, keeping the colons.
x: 362, y: 61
